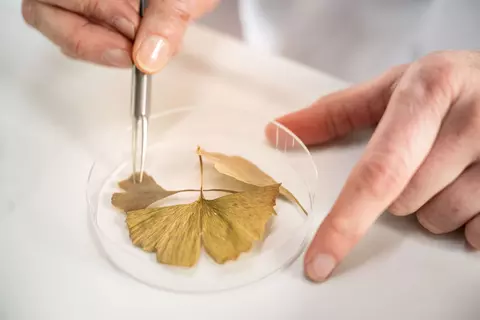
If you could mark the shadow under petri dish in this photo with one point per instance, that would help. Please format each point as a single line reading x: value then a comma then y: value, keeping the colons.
x: 172, y: 161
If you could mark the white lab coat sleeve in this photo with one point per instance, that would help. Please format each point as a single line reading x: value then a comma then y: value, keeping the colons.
x: 450, y: 25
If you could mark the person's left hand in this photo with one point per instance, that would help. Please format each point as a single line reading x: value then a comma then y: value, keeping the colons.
x: 423, y: 157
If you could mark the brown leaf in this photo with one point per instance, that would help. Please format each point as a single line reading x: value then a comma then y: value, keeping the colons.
x: 138, y: 195
x: 245, y: 171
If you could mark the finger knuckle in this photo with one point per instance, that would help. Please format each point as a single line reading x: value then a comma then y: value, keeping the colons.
x: 430, y: 88
x: 338, y: 122
x: 435, y: 76
x: 92, y: 8
x: 343, y: 230
x: 181, y: 9
x: 76, y: 46
x: 379, y: 175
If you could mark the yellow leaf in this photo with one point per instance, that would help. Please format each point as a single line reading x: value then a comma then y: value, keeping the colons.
x: 138, y: 195
x: 245, y: 171
x: 232, y: 223
x: 226, y: 226
x: 172, y: 232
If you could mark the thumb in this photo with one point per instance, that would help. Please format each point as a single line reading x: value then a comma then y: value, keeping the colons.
x: 161, y: 31
x: 340, y: 113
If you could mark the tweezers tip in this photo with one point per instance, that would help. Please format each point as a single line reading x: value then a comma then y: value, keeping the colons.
x: 143, y: 145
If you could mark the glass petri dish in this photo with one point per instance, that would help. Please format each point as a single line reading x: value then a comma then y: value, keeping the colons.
x: 172, y: 161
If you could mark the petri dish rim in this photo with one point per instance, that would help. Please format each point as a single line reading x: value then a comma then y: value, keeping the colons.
x: 93, y: 212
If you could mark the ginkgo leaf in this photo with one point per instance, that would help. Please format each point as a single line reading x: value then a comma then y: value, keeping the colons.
x: 172, y: 232
x: 226, y: 226
x: 232, y: 223
x: 138, y: 195
x: 243, y: 170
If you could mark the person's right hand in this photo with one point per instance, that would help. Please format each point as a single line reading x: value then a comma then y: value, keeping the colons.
x: 423, y: 158
x: 109, y: 32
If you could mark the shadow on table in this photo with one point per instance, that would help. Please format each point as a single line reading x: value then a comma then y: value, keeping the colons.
x: 389, y: 231
x: 384, y: 238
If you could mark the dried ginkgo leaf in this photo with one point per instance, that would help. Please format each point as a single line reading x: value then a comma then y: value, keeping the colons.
x: 226, y: 226
x: 138, y: 195
x: 173, y: 232
x: 245, y: 171
x: 232, y: 223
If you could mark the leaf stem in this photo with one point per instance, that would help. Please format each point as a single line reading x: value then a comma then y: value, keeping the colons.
x: 221, y: 190
x: 201, y: 174
x: 204, y: 190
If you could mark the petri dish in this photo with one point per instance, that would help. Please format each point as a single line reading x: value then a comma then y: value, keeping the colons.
x: 172, y: 161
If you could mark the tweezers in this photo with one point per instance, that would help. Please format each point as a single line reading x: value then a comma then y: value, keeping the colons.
x: 141, y: 84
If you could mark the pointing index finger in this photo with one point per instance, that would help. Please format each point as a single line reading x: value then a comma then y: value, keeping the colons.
x: 401, y: 142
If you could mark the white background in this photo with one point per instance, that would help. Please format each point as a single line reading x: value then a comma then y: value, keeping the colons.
x: 54, y: 109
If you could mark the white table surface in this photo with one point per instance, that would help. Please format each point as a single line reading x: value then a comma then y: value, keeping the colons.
x: 52, y: 111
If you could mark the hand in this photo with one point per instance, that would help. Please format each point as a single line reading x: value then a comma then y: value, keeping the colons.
x: 109, y: 32
x: 423, y: 157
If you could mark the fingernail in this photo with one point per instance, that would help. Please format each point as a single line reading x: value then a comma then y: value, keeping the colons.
x: 124, y: 26
x: 153, y: 54
x: 117, y: 58
x: 320, y: 267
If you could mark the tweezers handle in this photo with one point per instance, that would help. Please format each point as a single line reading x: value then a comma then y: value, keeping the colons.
x: 143, y: 4
x: 141, y: 85
x: 141, y: 94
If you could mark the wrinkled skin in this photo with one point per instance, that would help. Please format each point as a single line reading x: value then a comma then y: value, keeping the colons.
x: 109, y: 32
x: 423, y: 157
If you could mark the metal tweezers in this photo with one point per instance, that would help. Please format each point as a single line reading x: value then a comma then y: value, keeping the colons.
x: 141, y: 84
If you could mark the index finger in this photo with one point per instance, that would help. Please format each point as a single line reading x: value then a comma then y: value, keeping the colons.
x: 401, y: 142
